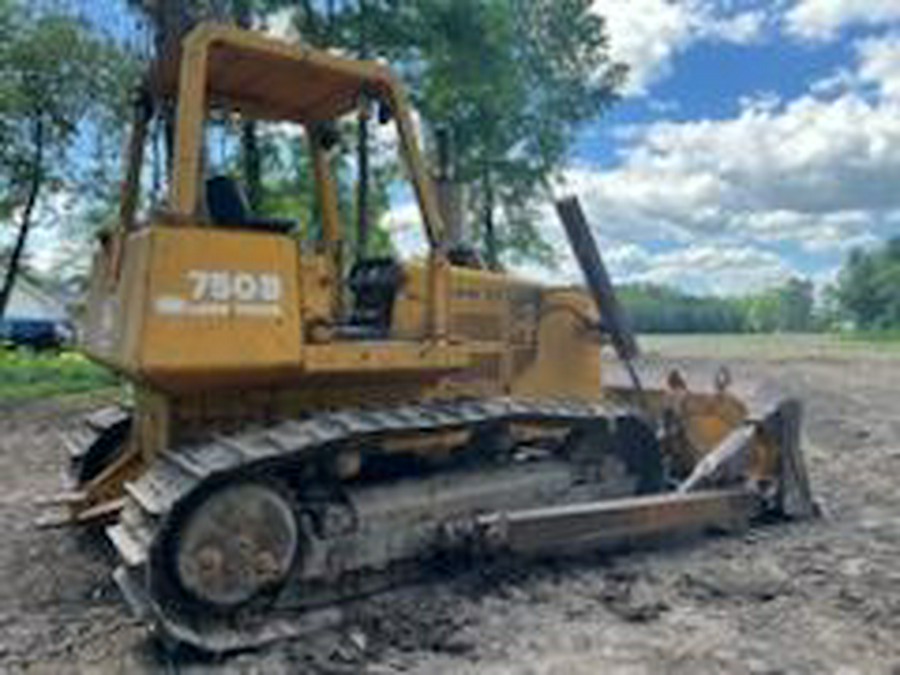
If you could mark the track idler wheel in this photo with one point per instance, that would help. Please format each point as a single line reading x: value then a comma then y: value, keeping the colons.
x: 234, y: 545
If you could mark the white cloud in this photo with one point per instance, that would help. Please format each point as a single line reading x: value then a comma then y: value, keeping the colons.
x: 823, y: 19
x: 880, y: 64
x: 648, y: 34
x: 717, y: 269
x: 812, y: 177
x: 810, y: 155
x: 724, y: 199
x: 741, y: 29
x: 699, y: 268
x: 732, y: 205
x: 281, y: 24
x: 836, y: 232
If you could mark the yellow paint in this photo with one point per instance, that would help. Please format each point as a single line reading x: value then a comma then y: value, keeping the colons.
x: 154, y: 326
x: 190, y: 118
x: 331, y: 244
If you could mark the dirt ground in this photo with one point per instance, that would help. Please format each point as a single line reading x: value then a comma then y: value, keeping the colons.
x: 812, y: 597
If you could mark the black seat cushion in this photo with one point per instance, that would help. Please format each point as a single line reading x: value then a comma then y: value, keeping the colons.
x: 227, y: 206
x: 463, y: 255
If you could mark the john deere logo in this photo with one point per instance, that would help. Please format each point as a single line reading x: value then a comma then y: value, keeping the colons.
x: 225, y: 293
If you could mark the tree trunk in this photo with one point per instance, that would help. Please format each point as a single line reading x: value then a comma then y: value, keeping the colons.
x: 170, y: 19
x: 252, y: 164
x: 362, y: 197
x: 312, y: 31
x: 491, y: 248
x: 250, y: 154
x: 34, y: 187
x: 329, y: 23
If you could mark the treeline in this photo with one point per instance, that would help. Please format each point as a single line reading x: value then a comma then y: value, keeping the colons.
x: 864, y: 298
x: 661, y: 309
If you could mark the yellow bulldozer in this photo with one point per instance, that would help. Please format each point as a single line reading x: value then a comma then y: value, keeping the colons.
x: 304, y: 430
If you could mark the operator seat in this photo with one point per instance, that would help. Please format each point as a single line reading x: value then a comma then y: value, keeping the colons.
x: 463, y: 255
x: 374, y: 283
x: 227, y: 206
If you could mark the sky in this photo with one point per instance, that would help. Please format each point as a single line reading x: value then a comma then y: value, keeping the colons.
x: 756, y: 140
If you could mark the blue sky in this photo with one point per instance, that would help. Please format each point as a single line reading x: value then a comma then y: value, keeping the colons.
x: 756, y: 140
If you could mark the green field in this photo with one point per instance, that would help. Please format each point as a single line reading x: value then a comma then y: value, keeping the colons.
x: 26, y: 375
x: 772, y: 346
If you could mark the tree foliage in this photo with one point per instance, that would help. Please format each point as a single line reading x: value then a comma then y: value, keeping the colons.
x: 54, y: 74
x: 510, y: 81
x: 868, y: 287
x: 661, y: 309
x: 785, y: 308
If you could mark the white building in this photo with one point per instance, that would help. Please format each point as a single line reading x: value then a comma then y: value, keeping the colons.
x: 29, y: 300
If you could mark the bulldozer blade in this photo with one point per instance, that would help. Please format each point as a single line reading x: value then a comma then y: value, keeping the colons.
x: 728, y: 462
x: 781, y: 423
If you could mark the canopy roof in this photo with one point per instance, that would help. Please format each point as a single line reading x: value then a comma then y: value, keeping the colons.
x: 266, y: 78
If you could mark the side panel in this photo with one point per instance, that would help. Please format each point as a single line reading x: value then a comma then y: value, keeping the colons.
x: 524, y: 339
x: 220, y: 301
x: 115, y: 303
x: 196, y: 307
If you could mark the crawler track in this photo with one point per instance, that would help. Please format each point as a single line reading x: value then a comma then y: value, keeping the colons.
x: 384, y: 540
x: 95, y: 442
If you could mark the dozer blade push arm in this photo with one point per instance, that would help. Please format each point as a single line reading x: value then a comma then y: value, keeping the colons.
x: 616, y: 523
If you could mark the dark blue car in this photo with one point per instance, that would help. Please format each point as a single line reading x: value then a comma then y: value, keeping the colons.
x: 36, y: 334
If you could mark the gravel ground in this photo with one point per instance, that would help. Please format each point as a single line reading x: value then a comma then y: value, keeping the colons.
x: 814, y: 597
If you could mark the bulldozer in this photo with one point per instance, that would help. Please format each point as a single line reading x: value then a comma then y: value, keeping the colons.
x: 304, y: 429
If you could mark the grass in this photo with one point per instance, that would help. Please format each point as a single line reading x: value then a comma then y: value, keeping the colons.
x: 25, y: 375
x: 827, y: 346
x: 883, y: 337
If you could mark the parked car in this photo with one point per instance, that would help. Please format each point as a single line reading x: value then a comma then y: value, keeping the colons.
x: 36, y: 334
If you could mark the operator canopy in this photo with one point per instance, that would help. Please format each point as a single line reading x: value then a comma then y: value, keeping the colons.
x: 267, y: 79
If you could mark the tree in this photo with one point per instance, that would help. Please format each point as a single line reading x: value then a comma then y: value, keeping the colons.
x: 660, y: 309
x: 795, y: 305
x: 868, y: 287
x: 53, y: 73
x: 510, y: 81
x: 787, y: 308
